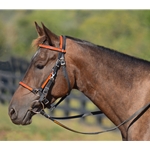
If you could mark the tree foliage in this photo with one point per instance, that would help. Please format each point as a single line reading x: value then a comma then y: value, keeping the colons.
x: 127, y: 31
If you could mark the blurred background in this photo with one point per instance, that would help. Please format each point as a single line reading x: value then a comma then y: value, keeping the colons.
x: 127, y: 31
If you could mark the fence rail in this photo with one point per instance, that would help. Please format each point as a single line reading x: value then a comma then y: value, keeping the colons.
x: 11, y: 72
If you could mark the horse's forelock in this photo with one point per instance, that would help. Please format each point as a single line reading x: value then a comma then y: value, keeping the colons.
x: 37, y: 41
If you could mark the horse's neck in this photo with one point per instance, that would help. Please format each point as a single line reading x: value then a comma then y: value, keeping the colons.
x: 110, y: 83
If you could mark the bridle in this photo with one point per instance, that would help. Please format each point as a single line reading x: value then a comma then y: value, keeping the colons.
x: 43, y: 92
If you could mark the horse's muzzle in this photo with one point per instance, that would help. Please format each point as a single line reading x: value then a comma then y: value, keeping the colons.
x: 24, y: 117
x: 23, y: 121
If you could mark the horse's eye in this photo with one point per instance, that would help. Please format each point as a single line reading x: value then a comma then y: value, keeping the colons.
x: 39, y: 66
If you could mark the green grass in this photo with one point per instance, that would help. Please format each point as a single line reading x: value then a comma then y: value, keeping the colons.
x: 43, y: 129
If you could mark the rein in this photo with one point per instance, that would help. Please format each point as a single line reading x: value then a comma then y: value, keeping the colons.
x: 135, y: 116
x: 43, y: 91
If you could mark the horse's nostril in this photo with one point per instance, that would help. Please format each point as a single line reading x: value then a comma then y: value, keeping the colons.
x: 13, y: 114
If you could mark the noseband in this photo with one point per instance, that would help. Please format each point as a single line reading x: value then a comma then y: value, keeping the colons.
x: 43, y: 91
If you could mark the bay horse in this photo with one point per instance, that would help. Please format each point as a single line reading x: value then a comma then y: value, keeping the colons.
x: 118, y: 84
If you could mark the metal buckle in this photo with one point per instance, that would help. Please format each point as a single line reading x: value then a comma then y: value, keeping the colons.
x: 36, y: 91
x: 58, y: 63
x: 62, y: 60
x: 45, y: 101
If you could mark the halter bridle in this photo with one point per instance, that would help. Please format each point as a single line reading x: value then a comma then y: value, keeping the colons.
x: 43, y: 92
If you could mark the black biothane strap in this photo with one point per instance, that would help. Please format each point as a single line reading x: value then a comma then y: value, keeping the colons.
x: 135, y: 116
x: 79, y: 116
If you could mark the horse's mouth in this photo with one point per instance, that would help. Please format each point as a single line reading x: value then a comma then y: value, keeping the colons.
x: 36, y: 107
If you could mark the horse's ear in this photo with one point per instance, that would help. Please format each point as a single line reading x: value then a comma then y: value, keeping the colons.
x: 52, y: 38
x: 39, y: 29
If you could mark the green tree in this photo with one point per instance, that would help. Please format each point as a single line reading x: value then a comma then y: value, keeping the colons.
x: 2, y: 40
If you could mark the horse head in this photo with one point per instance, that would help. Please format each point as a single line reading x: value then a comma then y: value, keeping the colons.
x: 46, y: 66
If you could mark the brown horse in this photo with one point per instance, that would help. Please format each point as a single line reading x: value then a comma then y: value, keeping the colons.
x: 116, y: 83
